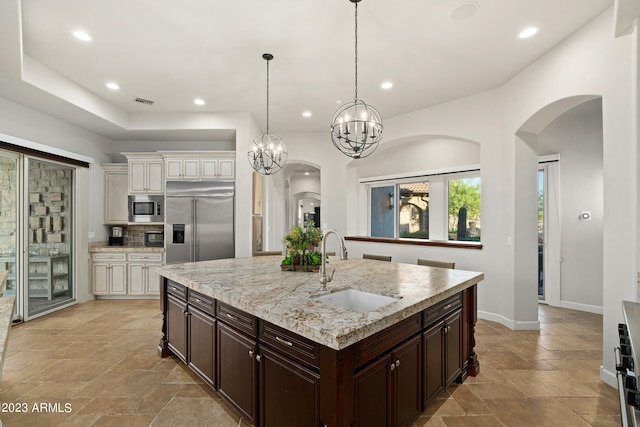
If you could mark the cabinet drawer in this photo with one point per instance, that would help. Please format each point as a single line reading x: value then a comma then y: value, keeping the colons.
x: 245, y: 322
x: 385, y: 340
x: 106, y: 257
x: 290, y: 344
x: 442, y: 308
x: 203, y: 302
x: 177, y: 290
x: 146, y: 257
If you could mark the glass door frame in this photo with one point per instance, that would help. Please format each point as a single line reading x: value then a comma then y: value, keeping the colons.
x: 23, y: 284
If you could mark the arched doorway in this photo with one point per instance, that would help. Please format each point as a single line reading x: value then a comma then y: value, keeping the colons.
x: 572, y: 252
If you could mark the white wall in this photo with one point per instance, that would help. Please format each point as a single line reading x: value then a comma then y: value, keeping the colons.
x: 315, y: 149
x: 592, y: 63
x: 420, y: 154
x: 30, y: 128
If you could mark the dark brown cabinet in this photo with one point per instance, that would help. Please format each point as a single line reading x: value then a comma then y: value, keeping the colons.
x: 286, y: 384
x: 387, y: 392
x: 177, y: 326
x: 442, y: 343
x: 237, y: 371
x: 191, y: 330
x: 273, y: 377
x: 202, y: 344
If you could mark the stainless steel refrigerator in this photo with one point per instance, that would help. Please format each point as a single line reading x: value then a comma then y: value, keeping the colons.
x: 199, y: 218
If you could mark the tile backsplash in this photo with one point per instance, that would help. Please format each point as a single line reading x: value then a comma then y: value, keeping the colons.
x: 134, y: 234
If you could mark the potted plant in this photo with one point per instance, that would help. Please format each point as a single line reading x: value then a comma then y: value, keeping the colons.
x: 302, y: 248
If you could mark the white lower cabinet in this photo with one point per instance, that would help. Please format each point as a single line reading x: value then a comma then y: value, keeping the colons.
x: 120, y: 274
x: 143, y: 274
x: 109, y: 274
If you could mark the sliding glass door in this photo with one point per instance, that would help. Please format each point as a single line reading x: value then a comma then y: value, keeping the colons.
x: 36, y: 233
x: 49, y: 236
x: 9, y: 208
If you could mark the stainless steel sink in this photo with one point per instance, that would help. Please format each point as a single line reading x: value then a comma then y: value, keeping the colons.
x: 356, y: 300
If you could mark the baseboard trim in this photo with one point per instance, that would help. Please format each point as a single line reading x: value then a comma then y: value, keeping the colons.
x: 581, y: 307
x: 516, y: 325
x: 608, y: 377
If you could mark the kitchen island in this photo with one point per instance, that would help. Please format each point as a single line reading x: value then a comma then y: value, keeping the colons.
x: 260, y: 337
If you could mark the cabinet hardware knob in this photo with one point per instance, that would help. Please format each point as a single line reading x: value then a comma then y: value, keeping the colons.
x: 393, y: 366
x: 258, y: 357
x: 198, y: 299
x: 448, y: 306
x: 251, y: 354
x: 289, y: 343
x: 397, y: 363
x: 232, y: 317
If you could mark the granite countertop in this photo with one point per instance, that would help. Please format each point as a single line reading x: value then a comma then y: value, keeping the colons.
x: 104, y: 247
x: 258, y: 286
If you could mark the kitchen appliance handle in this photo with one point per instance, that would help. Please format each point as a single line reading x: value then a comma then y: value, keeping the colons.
x: 192, y: 246
x: 194, y: 236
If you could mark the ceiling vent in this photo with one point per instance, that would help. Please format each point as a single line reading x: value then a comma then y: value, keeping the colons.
x: 142, y: 101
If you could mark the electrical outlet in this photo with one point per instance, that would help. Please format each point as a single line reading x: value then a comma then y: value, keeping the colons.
x: 638, y: 281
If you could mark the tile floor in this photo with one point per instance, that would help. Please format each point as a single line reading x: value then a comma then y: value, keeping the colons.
x: 95, y: 364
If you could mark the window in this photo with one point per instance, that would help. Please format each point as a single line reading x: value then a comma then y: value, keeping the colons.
x: 413, y: 219
x: 434, y: 207
x: 464, y: 209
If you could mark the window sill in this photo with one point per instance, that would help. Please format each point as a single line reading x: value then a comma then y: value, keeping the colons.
x: 417, y: 242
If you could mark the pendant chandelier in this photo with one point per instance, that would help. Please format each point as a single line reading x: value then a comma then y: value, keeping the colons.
x: 356, y: 127
x: 267, y: 153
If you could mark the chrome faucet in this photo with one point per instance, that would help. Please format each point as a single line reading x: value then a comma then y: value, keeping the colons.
x: 323, y: 267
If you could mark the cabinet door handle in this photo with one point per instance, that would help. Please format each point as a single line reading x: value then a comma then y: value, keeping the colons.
x: 397, y: 363
x: 258, y: 357
x: 232, y: 317
x: 289, y: 343
x: 393, y: 366
x: 251, y: 354
x: 198, y: 299
x: 447, y: 307
x: 173, y: 288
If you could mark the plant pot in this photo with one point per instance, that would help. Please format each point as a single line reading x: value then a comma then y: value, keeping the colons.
x: 309, y: 268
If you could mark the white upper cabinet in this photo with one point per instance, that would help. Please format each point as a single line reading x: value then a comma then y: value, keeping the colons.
x: 199, y: 165
x: 182, y: 169
x: 115, y: 193
x: 146, y: 173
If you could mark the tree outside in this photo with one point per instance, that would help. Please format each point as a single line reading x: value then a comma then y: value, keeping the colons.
x: 464, y: 193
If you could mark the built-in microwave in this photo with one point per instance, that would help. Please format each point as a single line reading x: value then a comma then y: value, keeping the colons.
x: 144, y: 208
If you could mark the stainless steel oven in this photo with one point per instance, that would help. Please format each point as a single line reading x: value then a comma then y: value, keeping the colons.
x: 146, y: 209
x: 154, y: 238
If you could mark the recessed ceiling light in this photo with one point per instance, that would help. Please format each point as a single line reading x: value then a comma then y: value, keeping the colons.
x: 386, y: 85
x: 306, y: 114
x: 112, y: 85
x: 528, y: 32
x: 81, y: 35
x: 465, y: 10
x: 199, y: 101
x: 306, y: 173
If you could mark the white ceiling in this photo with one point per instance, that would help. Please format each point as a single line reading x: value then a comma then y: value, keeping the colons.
x: 174, y: 51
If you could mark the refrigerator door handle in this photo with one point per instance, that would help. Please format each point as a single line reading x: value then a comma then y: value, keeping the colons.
x: 192, y: 250
x: 194, y: 221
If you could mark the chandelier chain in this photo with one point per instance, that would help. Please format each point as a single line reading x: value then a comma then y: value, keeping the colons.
x: 356, y: 49
x: 267, y: 96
